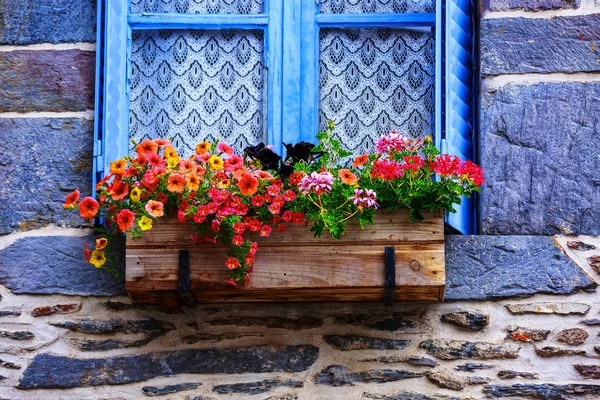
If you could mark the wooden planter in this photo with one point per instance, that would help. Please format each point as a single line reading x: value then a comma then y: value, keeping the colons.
x: 166, y: 267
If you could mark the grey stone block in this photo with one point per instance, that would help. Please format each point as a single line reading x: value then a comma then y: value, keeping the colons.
x: 532, y: 5
x: 47, y: 80
x: 526, y: 45
x: 43, y: 160
x: 538, y: 148
x: 54, y: 264
x: 496, y: 267
x: 42, y: 372
x: 47, y: 21
x: 544, y: 391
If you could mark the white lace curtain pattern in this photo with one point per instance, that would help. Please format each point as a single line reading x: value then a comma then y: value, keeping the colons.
x: 376, y: 6
x: 198, y: 6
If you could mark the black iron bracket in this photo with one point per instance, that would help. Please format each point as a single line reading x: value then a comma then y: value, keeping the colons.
x: 183, y: 286
x: 390, y: 276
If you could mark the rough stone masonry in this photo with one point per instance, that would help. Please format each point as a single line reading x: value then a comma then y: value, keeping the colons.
x: 522, y: 316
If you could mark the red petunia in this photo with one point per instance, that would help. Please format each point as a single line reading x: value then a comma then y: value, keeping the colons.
x: 125, y: 219
x: 71, y: 199
x: 88, y: 207
x: 119, y: 190
x: 248, y: 185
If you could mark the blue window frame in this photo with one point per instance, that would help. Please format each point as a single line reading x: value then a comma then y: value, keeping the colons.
x: 291, y: 32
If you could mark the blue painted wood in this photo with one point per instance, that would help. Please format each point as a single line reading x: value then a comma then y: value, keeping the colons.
x: 376, y: 20
x: 197, y: 21
x: 116, y: 104
x: 459, y: 132
x: 98, y: 162
x: 439, y: 68
x: 309, y: 66
x: 274, y: 65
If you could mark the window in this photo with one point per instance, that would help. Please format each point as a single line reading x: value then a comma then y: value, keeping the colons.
x: 276, y: 70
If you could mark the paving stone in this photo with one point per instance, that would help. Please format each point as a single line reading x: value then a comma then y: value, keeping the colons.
x: 51, y: 371
x: 543, y: 391
x: 588, y: 371
x: 552, y: 351
x: 444, y: 380
x: 37, y: 181
x: 579, y: 245
x: 218, y: 337
x: 470, y: 367
x: 527, y: 173
x: 17, y: 335
x: 572, y: 336
x: 465, y: 319
x: 521, y: 334
x: 532, y: 5
x: 337, y: 375
x: 356, y: 342
x: 44, y: 311
x: 47, y: 21
x: 541, y: 45
x: 457, y: 349
x: 47, y: 80
x: 561, y: 308
x: 510, y: 374
x: 294, y: 324
x: 259, y: 387
x: 388, y: 321
x: 168, y: 389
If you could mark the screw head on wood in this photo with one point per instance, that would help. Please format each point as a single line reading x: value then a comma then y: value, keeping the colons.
x: 415, y: 265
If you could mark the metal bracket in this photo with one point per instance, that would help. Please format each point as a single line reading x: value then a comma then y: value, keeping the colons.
x: 390, y: 276
x: 185, y: 296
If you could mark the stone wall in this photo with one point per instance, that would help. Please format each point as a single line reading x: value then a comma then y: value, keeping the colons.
x: 522, y: 316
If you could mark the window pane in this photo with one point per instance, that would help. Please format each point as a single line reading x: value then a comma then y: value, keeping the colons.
x: 372, y: 81
x: 198, y: 6
x: 197, y: 85
x: 376, y: 6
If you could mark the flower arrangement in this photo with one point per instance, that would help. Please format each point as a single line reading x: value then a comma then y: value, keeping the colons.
x: 227, y: 196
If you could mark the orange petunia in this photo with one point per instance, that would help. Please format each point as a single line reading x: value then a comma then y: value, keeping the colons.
x: 147, y: 146
x: 101, y: 243
x: 125, y: 219
x: 176, y: 183
x: 193, y: 182
x: 88, y: 207
x: 87, y: 252
x: 71, y: 200
x: 118, y: 167
x: 162, y: 143
x: 248, y: 185
x: 360, y: 160
x: 155, y: 208
x: 347, y: 177
x: 118, y: 190
x: 202, y: 148
x: 185, y: 164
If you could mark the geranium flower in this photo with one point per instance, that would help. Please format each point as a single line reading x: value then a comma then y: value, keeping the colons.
x: 170, y: 152
x: 248, y: 185
x: 147, y: 146
x: 387, y: 170
x: 412, y: 163
x: 393, y: 143
x: 145, y: 223
x: 71, y: 199
x: 237, y: 240
x: 135, y: 194
x: 155, y: 208
x: 88, y: 207
x: 98, y: 259
x: 364, y: 198
x: 472, y: 172
x: 176, y: 183
x: 118, y: 190
x: 225, y: 148
x: 101, y: 243
x: 125, y: 219
x: 318, y: 183
x: 118, y: 167
x: 360, y: 160
x: 347, y: 176
x: 193, y: 182
x: 232, y: 263
x: 215, y: 163
x: 202, y: 148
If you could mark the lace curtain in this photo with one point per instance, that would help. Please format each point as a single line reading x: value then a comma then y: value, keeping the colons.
x: 376, y: 6
x: 373, y: 80
x: 194, y: 85
x: 198, y: 6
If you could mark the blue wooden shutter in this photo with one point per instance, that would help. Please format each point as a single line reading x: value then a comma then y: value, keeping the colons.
x: 458, y: 136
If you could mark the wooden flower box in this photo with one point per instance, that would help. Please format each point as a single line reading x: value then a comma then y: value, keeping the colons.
x: 166, y: 267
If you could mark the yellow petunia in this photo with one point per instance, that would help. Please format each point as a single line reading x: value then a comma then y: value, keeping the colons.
x: 145, y: 223
x: 172, y: 162
x: 170, y: 152
x: 216, y: 163
x: 135, y: 194
x: 98, y: 258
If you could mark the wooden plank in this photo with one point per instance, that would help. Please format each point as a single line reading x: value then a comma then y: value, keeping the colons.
x: 295, y: 266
